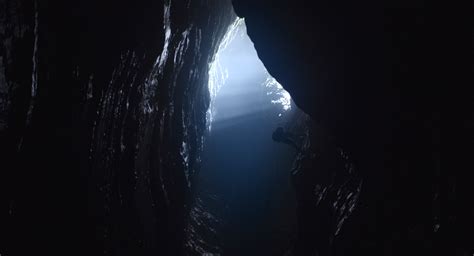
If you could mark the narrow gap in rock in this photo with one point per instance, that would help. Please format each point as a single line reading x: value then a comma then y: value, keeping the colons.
x: 243, y: 191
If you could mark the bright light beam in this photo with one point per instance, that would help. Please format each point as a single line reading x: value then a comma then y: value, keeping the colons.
x: 236, y: 79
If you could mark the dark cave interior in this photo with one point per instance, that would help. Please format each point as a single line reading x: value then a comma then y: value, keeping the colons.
x: 118, y: 137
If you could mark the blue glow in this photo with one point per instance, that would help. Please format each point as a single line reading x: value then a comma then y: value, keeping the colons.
x: 243, y: 181
x: 236, y: 67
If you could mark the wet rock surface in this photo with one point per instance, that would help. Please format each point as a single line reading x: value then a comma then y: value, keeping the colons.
x: 327, y: 186
x: 103, y: 111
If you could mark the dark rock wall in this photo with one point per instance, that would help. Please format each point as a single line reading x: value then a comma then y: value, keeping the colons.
x: 327, y: 187
x: 103, y: 112
x: 371, y: 73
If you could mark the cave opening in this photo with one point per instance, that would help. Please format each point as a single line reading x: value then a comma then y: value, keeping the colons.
x: 244, y: 194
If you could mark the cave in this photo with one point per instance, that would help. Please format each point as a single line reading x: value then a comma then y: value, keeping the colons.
x: 243, y: 194
x: 220, y: 127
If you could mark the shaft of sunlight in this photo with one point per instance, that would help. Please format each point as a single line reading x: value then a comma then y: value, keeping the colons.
x: 236, y: 63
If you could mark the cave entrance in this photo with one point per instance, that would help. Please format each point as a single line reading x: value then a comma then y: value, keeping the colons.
x: 245, y: 196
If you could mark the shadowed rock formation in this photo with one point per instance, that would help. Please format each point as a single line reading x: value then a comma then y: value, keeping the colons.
x: 103, y: 112
x: 369, y: 72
